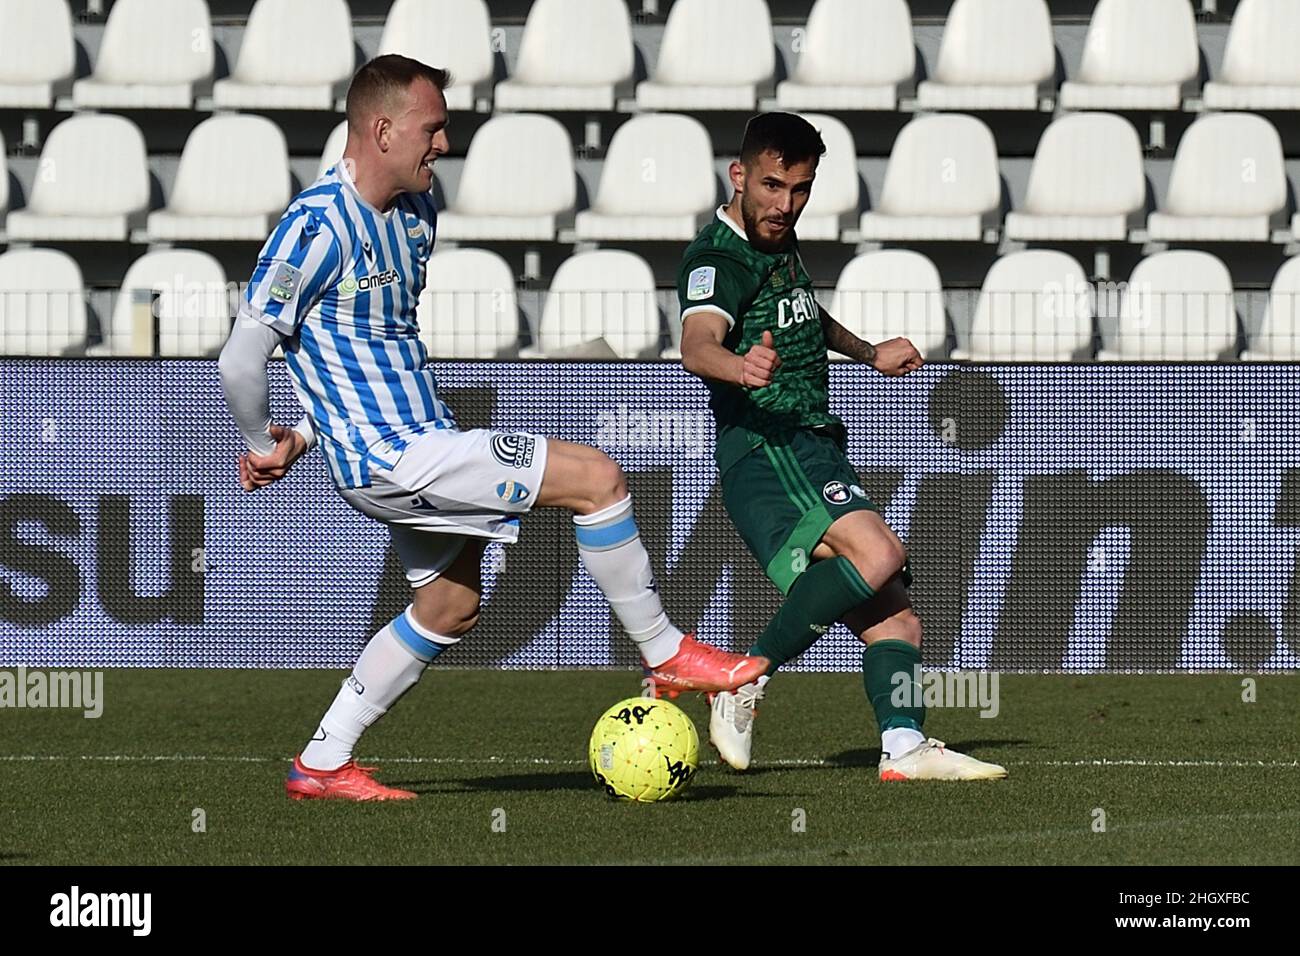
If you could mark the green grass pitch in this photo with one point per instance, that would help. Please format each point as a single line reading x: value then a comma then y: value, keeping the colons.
x: 1184, y: 770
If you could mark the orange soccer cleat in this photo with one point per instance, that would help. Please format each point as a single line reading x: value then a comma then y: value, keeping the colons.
x: 703, y: 667
x: 348, y: 782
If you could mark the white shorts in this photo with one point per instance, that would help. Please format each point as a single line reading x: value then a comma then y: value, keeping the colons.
x: 449, y: 485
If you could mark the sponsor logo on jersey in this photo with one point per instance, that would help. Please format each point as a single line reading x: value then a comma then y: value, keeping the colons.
x: 836, y: 492
x: 285, y: 284
x: 513, y: 450
x: 512, y: 492
x: 416, y: 231
x: 700, y: 283
x: 857, y: 490
x: 352, y: 285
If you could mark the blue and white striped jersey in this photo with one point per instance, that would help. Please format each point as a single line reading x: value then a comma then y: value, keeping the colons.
x: 341, y: 280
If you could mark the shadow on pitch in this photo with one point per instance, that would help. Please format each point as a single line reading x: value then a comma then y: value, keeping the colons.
x: 541, y: 782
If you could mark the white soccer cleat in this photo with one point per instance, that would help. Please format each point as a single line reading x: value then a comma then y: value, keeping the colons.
x: 933, y: 761
x: 731, y: 722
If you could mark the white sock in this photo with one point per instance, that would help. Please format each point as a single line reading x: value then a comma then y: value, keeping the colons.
x: 611, y: 551
x: 894, y: 743
x: 388, y: 667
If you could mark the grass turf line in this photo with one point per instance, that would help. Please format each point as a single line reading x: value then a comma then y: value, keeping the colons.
x: 471, y: 742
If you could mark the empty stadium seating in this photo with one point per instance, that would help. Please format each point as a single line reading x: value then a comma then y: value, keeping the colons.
x: 855, y: 55
x: 1178, y: 305
x: 996, y: 55
x: 573, y: 54
x: 153, y: 54
x: 37, y: 52
x: 42, y: 306
x: 1136, y: 56
x: 942, y: 183
x: 93, y: 180
x: 890, y: 293
x: 193, y: 309
x: 1228, y: 182
x: 608, y: 294
x: 469, y: 307
x: 1260, y: 69
x: 1034, y: 306
x: 1086, y: 184
x: 1278, y: 337
x: 502, y: 198
x: 233, y: 183
x: 295, y: 54
x: 903, y: 165
x: 696, y: 71
x: 657, y: 182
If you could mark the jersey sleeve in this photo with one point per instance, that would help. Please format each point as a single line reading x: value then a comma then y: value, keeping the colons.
x: 298, y: 264
x: 714, y: 282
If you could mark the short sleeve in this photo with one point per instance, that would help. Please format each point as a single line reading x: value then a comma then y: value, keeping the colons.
x: 298, y: 264
x: 713, y: 282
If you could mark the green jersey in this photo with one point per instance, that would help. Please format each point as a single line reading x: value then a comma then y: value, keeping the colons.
x: 758, y: 292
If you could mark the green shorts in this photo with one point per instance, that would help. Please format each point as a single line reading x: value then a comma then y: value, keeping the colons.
x: 783, y: 497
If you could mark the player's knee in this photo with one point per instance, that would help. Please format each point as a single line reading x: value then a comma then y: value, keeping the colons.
x: 879, y: 558
x: 607, y: 483
x: 448, y: 618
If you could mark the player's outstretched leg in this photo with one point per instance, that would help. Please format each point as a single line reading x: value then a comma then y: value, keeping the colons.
x: 590, y: 484
x: 444, y: 608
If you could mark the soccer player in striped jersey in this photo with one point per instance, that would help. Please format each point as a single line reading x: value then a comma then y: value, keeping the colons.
x: 336, y: 286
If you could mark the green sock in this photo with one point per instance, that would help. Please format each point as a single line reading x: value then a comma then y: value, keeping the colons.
x: 820, y: 596
x: 881, y: 661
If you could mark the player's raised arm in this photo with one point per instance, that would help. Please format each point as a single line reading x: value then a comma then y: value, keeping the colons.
x: 703, y: 354
x: 893, y: 357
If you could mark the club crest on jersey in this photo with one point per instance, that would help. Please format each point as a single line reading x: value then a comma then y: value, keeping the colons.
x: 700, y: 283
x: 513, y: 450
x: 512, y: 492
x: 352, y: 285
x: 836, y: 492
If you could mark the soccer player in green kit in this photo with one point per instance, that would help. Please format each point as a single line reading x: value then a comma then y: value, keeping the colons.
x: 753, y: 332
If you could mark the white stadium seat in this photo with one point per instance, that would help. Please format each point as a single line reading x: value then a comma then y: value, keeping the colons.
x: 657, y: 182
x: 1178, y: 305
x: 293, y: 56
x: 152, y: 55
x: 1137, y: 56
x: 1034, y: 306
x: 37, y: 51
x: 1228, y: 181
x: 502, y: 198
x: 232, y: 183
x: 468, y: 308
x: 890, y: 293
x: 193, y: 307
x: 835, y: 190
x: 942, y: 183
x: 42, y: 302
x: 607, y: 294
x: 995, y: 55
x: 855, y: 55
x: 92, y: 178
x: 1260, y: 69
x: 334, y: 146
x: 1278, y: 338
x: 4, y: 181
x: 453, y: 34
x: 572, y: 55
x: 1086, y: 183
x: 713, y: 56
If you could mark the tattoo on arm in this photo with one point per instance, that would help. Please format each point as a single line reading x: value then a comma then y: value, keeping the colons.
x: 839, y: 339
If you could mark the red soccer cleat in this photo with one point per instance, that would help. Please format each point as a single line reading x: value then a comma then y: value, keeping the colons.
x: 703, y: 667
x: 349, y: 782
